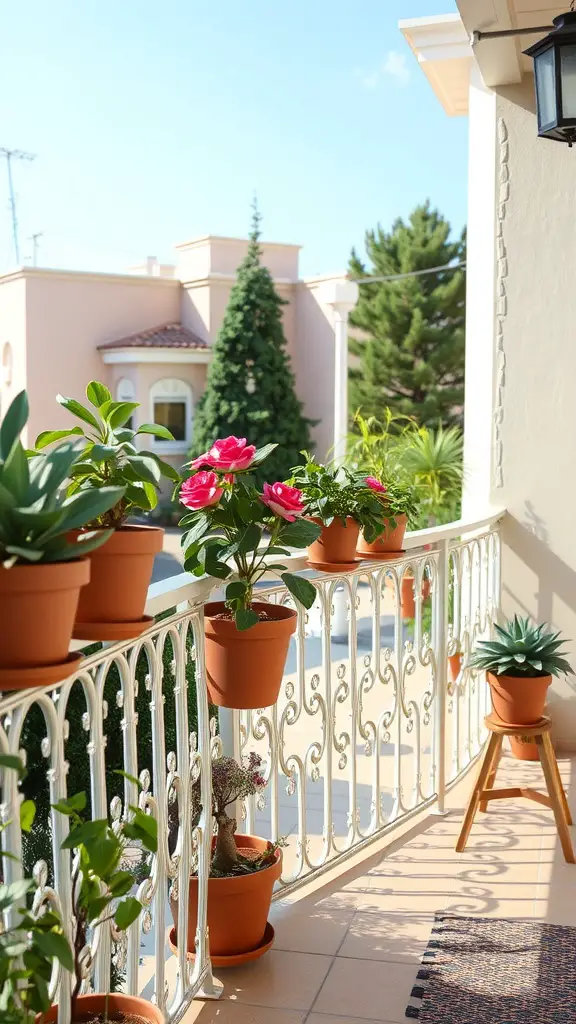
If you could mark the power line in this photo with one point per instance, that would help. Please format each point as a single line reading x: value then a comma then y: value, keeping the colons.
x: 411, y: 273
x: 14, y: 154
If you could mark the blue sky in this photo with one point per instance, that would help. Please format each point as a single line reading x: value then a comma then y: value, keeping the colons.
x: 155, y: 122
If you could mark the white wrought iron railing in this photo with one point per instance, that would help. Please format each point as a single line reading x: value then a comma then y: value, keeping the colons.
x: 368, y: 730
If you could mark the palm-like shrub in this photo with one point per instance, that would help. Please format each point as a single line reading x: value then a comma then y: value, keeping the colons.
x: 521, y: 649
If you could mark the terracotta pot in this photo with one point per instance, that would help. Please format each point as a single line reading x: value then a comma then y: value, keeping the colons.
x: 518, y: 700
x: 391, y: 539
x: 426, y: 589
x: 244, y: 668
x: 119, y: 1006
x: 237, y: 907
x: 37, y: 608
x: 524, y: 750
x: 454, y: 666
x: 111, y: 607
x: 336, y: 545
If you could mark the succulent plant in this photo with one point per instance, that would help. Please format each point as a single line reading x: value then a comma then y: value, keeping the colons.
x: 521, y: 649
x: 36, y: 515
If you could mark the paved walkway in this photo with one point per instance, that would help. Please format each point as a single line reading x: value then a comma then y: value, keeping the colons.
x: 347, y: 951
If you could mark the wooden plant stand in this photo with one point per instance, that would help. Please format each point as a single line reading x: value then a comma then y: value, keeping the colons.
x: 483, y: 789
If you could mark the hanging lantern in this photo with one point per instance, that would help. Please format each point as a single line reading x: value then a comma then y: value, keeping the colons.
x: 555, y: 78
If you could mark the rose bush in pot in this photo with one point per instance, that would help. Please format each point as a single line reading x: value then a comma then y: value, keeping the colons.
x: 520, y: 662
x: 341, y: 502
x: 398, y: 508
x: 43, y: 563
x: 243, y: 868
x: 112, y: 606
x: 234, y: 530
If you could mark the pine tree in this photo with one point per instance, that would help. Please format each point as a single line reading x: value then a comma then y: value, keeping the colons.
x: 250, y: 386
x: 412, y: 356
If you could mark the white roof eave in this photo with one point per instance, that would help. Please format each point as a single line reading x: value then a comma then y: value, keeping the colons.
x: 443, y: 50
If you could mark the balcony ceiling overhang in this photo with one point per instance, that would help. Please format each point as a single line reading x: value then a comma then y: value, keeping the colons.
x: 443, y: 48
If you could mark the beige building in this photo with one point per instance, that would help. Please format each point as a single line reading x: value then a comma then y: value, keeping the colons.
x: 148, y: 335
x: 521, y: 307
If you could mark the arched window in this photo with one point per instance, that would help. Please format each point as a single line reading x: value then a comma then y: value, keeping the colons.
x: 126, y: 392
x: 171, y: 406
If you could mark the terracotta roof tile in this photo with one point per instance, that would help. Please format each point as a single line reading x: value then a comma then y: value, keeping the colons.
x: 164, y: 336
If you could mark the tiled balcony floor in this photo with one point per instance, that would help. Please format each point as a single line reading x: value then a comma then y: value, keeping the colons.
x: 347, y: 948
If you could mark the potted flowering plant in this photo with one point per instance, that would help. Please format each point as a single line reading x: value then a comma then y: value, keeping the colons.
x: 243, y: 869
x: 234, y: 530
x: 112, y: 605
x: 341, y: 502
x: 43, y: 563
x: 398, y: 506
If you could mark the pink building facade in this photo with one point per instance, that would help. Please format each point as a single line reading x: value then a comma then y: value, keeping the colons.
x: 148, y: 334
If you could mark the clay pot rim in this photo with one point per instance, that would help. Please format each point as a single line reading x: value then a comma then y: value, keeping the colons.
x: 45, y: 576
x: 284, y: 621
x: 516, y: 679
x: 335, y: 519
x: 252, y: 880
x: 128, y: 540
x: 117, y: 1002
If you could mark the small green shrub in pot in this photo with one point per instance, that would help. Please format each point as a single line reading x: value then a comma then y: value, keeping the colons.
x: 43, y: 563
x: 112, y: 606
x: 520, y: 662
x: 341, y: 502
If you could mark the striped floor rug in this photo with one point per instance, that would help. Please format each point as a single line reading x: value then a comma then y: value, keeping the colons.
x: 488, y: 971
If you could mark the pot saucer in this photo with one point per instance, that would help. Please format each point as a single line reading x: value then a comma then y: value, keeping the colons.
x: 43, y: 675
x: 111, y: 630
x: 380, y: 556
x: 235, y: 959
x: 334, y: 567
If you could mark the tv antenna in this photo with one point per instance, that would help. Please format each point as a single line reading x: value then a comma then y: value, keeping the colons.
x: 36, y: 245
x: 10, y: 155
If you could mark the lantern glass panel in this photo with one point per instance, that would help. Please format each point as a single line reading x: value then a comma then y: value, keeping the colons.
x: 545, y: 87
x: 568, y: 76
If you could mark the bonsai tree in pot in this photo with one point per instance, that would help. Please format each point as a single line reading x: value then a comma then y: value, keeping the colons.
x: 112, y: 606
x: 234, y: 530
x: 341, y: 502
x: 100, y: 895
x: 243, y: 869
x: 520, y: 662
x: 43, y: 564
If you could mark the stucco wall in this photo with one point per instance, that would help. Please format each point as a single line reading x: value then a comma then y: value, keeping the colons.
x: 12, y: 339
x: 313, y: 362
x: 68, y: 316
x: 535, y: 382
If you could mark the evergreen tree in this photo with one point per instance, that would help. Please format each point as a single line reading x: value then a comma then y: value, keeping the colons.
x: 412, y: 356
x: 250, y: 386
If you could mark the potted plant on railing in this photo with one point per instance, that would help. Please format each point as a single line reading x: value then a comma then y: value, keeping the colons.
x: 43, y: 563
x: 234, y: 530
x: 398, y: 506
x: 112, y: 605
x: 341, y: 502
x: 519, y: 665
x: 243, y: 870
x: 101, y: 895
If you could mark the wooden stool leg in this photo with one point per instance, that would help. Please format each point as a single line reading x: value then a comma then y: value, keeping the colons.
x: 567, y: 813
x: 483, y: 807
x: 494, y: 745
x: 547, y: 759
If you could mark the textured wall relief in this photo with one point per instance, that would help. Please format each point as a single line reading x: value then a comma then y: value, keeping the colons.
x: 501, y: 301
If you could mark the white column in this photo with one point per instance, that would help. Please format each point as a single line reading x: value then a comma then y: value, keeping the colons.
x: 342, y: 296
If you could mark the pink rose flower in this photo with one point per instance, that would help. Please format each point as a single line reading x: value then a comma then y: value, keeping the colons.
x: 283, y: 500
x: 201, y: 490
x: 375, y: 485
x: 231, y: 454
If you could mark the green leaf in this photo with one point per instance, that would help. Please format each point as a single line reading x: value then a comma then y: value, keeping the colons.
x: 27, y: 815
x: 15, y: 473
x: 85, y: 833
x: 126, y: 775
x: 14, y: 763
x: 300, y: 588
x: 13, y: 423
x: 213, y: 565
x: 10, y: 894
x: 121, y: 883
x: 72, y: 804
x: 300, y: 533
x: 79, y: 410
x: 148, y: 825
x: 28, y: 554
x: 102, y: 452
x: 127, y: 912
x: 158, y: 431
x: 97, y: 393
x: 122, y: 413
x: 245, y: 618
x: 262, y: 453
x: 143, y: 469
x: 55, y: 945
x: 104, y: 854
x: 50, y: 436
x: 87, y: 505
x: 236, y: 590
x: 249, y: 539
